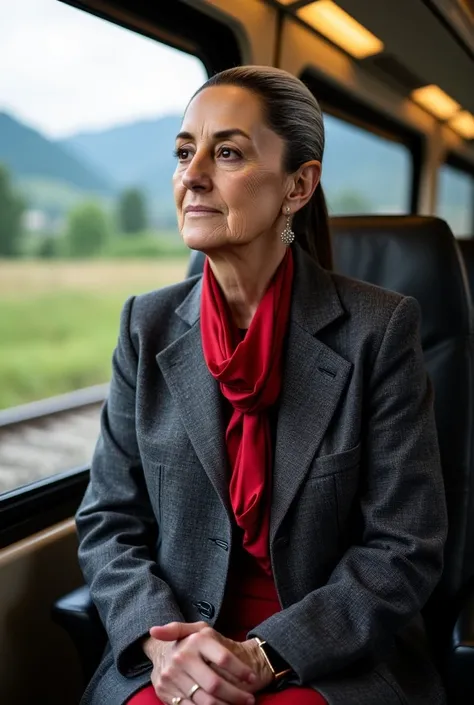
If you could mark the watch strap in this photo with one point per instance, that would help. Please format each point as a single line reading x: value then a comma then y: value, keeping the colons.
x: 276, y: 663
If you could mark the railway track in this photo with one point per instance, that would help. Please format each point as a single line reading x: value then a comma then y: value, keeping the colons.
x: 46, y: 437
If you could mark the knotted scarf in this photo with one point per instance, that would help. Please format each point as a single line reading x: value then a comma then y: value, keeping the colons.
x: 249, y: 372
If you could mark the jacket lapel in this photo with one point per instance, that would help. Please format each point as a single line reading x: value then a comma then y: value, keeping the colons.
x: 314, y: 379
x: 197, y: 395
x: 313, y: 382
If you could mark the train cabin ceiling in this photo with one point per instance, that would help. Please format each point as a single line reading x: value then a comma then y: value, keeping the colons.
x: 420, y: 47
x: 459, y: 16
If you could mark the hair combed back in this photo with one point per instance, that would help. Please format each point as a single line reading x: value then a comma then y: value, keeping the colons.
x: 293, y: 113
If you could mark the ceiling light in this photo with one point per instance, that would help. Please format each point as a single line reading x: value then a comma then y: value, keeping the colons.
x: 342, y: 29
x: 286, y: 2
x: 436, y: 101
x: 463, y: 124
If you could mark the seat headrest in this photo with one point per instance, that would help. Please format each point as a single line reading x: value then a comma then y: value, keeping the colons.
x: 415, y: 255
x: 467, y: 251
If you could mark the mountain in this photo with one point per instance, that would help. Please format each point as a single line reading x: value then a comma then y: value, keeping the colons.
x: 138, y: 154
x: 128, y: 154
x: 27, y: 153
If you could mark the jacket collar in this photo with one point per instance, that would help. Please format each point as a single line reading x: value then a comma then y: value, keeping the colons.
x: 315, y: 301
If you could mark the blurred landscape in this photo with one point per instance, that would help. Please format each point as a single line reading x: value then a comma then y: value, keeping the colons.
x: 85, y: 222
x: 59, y: 321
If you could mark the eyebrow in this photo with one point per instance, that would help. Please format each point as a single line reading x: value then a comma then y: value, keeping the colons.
x: 221, y: 135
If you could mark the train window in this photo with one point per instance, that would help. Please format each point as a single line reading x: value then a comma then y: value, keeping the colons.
x: 88, y: 115
x: 456, y: 200
x: 364, y: 172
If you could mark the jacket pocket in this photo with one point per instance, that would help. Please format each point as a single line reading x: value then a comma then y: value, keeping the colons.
x: 336, y: 462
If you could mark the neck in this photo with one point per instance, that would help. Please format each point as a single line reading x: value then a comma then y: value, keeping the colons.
x: 244, y: 273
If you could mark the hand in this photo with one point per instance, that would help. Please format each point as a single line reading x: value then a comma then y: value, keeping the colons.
x: 184, y: 654
x: 248, y: 652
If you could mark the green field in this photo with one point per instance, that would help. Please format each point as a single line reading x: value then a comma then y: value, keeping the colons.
x: 59, y: 320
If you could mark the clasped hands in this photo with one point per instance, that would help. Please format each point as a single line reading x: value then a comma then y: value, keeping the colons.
x: 228, y: 672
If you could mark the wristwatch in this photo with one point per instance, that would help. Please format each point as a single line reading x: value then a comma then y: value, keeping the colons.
x: 276, y: 663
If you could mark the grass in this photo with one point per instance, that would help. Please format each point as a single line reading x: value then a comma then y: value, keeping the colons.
x: 59, y: 321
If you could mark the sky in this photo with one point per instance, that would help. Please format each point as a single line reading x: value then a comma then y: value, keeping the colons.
x: 64, y: 71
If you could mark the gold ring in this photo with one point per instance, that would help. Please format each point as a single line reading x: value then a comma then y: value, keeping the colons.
x: 176, y: 700
x: 193, y: 690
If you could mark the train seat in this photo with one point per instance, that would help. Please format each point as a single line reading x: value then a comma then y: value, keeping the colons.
x: 416, y: 256
x: 467, y: 251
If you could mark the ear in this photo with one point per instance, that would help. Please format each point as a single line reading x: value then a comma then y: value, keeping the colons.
x: 303, y: 184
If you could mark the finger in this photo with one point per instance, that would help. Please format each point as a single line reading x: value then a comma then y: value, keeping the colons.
x: 175, y: 681
x: 220, y: 656
x: 174, y: 631
x: 213, y: 684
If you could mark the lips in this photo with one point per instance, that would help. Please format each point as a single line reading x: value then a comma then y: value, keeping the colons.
x: 200, y: 209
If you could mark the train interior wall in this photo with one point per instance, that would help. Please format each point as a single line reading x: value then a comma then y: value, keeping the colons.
x: 38, y: 663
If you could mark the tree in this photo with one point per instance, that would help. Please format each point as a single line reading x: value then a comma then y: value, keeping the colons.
x: 87, y: 230
x: 132, y: 211
x: 48, y: 247
x: 12, y: 207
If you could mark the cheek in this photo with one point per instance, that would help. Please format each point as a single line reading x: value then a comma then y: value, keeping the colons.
x: 178, y: 189
x: 258, y: 184
x: 257, y: 196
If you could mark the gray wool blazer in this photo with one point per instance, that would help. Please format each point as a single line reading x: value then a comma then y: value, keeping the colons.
x: 358, y: 517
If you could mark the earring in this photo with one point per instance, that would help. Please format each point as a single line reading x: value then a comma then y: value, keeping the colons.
x: 287, y: 235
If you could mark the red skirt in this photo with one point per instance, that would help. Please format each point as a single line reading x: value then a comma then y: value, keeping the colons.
x: 250, y: 598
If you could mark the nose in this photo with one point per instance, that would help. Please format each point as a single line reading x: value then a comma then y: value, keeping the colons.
x: 197, y: 176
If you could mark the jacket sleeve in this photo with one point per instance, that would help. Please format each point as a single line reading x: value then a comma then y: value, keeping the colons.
x: 378, y: 586
x: 116, y: 524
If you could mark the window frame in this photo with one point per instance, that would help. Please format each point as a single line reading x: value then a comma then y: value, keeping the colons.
x: 454, y: 161
x: 31, y: 508
x: 346, y: 107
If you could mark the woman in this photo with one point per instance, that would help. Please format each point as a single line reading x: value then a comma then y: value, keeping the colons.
x: 265, y: 516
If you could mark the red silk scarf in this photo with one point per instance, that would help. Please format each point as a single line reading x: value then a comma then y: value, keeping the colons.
x: 249, y: 372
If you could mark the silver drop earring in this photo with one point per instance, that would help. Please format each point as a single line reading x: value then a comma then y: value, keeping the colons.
x: 287, y: 235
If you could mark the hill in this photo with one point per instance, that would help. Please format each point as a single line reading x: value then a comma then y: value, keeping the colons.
x: 128, y: 154
x: 28, y: 153
x: 138, y: 154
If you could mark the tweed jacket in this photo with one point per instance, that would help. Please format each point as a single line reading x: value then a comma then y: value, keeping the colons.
x: 358, y: 518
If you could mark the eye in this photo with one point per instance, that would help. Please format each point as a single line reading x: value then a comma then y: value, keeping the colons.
x: 182, y: 153
x: 228, y: 154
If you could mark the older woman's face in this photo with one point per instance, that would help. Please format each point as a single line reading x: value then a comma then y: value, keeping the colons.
x: 229, y: 184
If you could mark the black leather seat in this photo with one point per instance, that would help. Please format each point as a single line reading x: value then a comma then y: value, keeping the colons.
x: 417, y: 256
x: 467, y: 251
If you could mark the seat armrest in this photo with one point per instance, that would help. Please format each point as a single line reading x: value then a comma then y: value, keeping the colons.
x: 460, y: 660
x: 77, y: 614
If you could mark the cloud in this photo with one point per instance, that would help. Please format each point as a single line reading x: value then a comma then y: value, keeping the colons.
x: 63, y: 70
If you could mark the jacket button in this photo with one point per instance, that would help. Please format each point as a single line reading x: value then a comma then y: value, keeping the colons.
x: 282, y: 542
x: 205, y: 609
